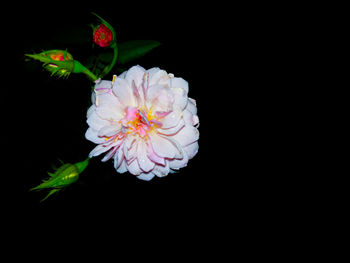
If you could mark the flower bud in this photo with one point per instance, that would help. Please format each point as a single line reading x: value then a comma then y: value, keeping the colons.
x: 58, y: 62
x: 62, y: 177
x: 103, y: 36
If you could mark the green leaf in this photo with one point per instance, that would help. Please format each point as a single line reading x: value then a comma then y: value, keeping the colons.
x: 131, y: 50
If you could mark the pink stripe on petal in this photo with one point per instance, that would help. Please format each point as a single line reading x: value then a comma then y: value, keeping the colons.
x: 162, y: 114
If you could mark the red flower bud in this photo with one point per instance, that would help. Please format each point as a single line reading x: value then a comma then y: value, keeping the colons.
x: 103, y: 36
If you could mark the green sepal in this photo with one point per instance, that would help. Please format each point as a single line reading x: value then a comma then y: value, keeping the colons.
x: 50, y: 193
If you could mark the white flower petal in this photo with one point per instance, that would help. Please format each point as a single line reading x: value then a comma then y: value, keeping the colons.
x: 145, y: 163
x: 122, y: 168
x: 134, y: 168
x: 130, y: 149
x: 160, y: 98
x: 179, y: 163
x: 186, y: 135
x: 160, y: 170
x: 153, y: 156
x: 171, y: 120
x: 135, y: 74
x: 157, y: 76
x: 109, y: 130
x: 118, y: 157
x: 146, y: 176
x: 108, y: 99
x: 191, y: 149
x: 109, y: 113
x: 123, y: 92
x: 90, y: 111
x: 163, y: 147
x: 91, y: 135
x: 100, y: 149
x: 188, y: 117
x: 179, y: 83
x: 172, y: 131
x: 96, y: 122
x: 191, y: 106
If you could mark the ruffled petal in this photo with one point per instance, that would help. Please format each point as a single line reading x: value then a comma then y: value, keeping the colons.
x: 145, y: 163
x: 179, y: 87
x: 90, y: 111
x: 186, y: 135
x: 109, y: 131
x: 172, y: 131
x: 103, y: 85
x: 146, y: 176
x: 160, y: 170
x: 100, y: 149
x: 157, y: 76
x: 162, y: 146
x: 153, y: 156
x: 95, y: 122
x: 123, y: 92
x: 179, y: 163
x: 118, y: 157
x: 191, y: 106
x: 91, y: 135
x: 179, y: 83
x: 134, y: 167
x: 171, y: 120
x: 122, y: 168
x: 160, y: 98
x: 191, y: 149
x: 135, y: 74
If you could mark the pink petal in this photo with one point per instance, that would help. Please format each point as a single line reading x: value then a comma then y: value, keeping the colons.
x: 131, y: 113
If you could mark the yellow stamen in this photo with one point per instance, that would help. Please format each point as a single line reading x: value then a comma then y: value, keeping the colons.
x: 114, y: 76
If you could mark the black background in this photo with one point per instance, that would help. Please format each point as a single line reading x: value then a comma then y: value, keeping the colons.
x: 48, y: 118
x: 240, y: 62
x: 220, y: 52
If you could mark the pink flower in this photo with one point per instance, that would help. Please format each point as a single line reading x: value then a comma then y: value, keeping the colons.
x: 145, y: 121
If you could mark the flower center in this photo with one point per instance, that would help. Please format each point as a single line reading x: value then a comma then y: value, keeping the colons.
x: 139, y: 121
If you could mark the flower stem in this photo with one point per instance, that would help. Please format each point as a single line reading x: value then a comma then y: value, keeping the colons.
x: 82, y: 165
x: 107, y: 69
x: 79, y: 68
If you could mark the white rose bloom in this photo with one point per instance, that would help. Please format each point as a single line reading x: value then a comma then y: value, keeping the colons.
x: 144, y: 120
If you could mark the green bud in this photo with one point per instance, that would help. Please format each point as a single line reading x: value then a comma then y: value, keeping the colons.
x: 65, y: 175
x: 58, y: 62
